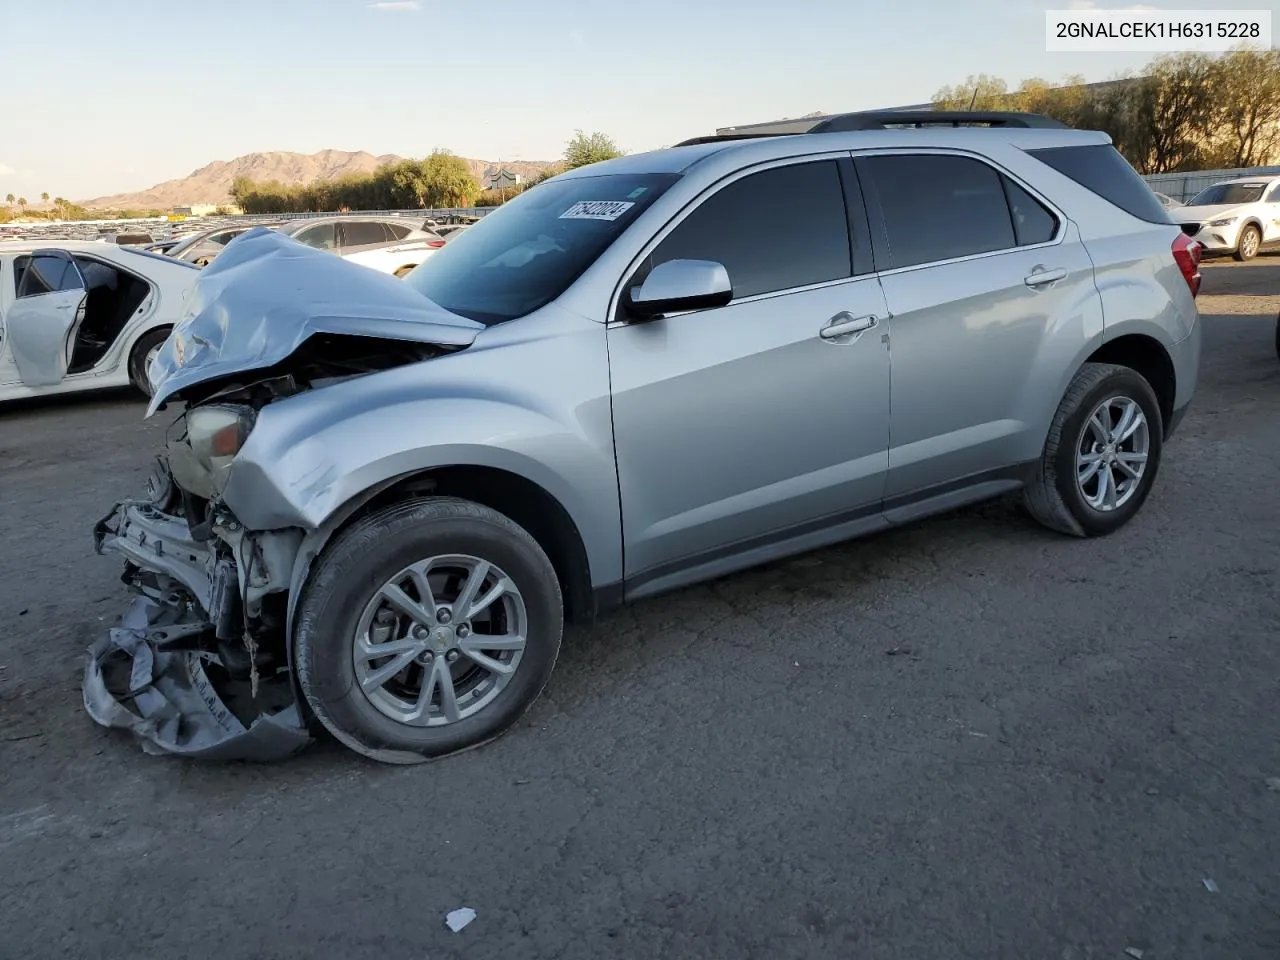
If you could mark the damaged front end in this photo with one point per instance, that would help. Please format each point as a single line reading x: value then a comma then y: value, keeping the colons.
x: 200, y: 664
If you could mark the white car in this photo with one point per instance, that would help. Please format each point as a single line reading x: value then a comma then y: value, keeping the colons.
x: 1240, y: 217
x: 390, y: 244
x: 80, y: 315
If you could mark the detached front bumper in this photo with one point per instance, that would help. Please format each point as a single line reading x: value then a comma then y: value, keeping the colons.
x: 182, y: 672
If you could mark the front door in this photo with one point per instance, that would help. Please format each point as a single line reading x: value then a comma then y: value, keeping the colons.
x: 737, y: 426
x: 41, y: 324
x: 1271, y: 214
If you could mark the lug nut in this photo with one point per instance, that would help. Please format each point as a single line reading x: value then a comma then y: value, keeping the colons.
x: 420, y: 633
x: 463, y: 632
x: 443, y: 615
x: 451, y: 656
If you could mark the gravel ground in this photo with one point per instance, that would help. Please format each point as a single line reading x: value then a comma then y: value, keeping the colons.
x: 965, y: 739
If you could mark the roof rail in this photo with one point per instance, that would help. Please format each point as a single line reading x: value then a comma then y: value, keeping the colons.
x: 723, y: 137
x: 882, y: 119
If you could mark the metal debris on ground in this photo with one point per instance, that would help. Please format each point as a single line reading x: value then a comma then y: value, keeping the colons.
x: 1210, y: 885
x: 457, y: 919
x: 1134, y: 952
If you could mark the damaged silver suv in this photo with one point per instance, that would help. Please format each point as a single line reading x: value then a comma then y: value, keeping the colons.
x: 382, y: 499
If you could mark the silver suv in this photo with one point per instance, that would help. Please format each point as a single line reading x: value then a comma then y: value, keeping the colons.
x: 383, y: 499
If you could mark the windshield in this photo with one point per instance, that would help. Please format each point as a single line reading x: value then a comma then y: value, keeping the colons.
x: 528, y: 251
x: 1221, y: 193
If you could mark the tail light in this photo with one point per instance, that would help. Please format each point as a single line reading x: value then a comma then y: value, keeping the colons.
x: 1186, y: 253
x: 435, y: 244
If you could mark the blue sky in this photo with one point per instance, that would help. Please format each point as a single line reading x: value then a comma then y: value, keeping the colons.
x: 119, y: 95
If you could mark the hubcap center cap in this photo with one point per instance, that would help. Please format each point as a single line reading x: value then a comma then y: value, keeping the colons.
x: 443, y: 637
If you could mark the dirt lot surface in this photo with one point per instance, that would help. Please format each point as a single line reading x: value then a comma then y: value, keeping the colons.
x: 969, y: 738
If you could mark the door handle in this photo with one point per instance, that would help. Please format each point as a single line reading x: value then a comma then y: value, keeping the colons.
x: 1040, y: 277
x: 843, y: 324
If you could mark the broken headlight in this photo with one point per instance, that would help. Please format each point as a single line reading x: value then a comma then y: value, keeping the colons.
x: 214, y: 435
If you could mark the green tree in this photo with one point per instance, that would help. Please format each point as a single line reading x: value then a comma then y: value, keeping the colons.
x: 583, y: 149
x: 22, y: 202
x: 1245, y: 108
x: 44, y: 198
x: 448, y: 181
x: 10, y: 198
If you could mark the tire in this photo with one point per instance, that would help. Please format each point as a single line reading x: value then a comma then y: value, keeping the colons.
x: 1247, y: 245
x: 1054, y: 496
x: 138, y: 358
x: 404, y: 271
x: 345, y: 585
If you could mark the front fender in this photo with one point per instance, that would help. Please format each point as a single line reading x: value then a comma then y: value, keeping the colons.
x: 312, y: 454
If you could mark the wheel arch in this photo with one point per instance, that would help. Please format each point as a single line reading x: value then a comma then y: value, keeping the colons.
x: 1148, y: 357
x: 524, y: 501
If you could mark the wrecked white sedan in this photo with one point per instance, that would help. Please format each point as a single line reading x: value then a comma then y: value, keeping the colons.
x: 78, y: 315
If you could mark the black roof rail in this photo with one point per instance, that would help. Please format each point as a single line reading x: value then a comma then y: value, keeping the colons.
x: 723, y: 137
x: 882, y: 119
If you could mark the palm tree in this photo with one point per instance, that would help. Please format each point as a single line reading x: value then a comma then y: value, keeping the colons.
x: 22, y: 202
x: 10, y: 199
x: 44, y: 198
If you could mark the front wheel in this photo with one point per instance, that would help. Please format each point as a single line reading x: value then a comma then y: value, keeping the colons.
x: 1250, y: 240
x: 427, y: 628
x: 143, y: 355
x: 1102, y: 453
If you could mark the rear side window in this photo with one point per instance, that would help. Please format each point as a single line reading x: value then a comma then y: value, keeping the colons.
x: 1032, y: 223
x: 1100, y: 168
x: 774, y: 230
x: 1274, y: 195
x: 362, y: 233
x: 938, y: 207
x: 398, y: 231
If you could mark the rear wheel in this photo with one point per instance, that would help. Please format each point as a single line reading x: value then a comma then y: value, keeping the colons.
x: 426, y: 629
x: 143, y: 355
x: 404, y: 271
x: 1250, y: 240
x: 1102, y: 453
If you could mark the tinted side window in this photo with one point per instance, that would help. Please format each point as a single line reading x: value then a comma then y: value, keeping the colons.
x: 939, y: 207
x: 321, y: 237
x: 1100, y: 168
x: 398, y: 231
x: 772, y: 230
x: 1032, y: 223
x: 1273, y: 196
x: 48, y: 275
x: 359, y: 233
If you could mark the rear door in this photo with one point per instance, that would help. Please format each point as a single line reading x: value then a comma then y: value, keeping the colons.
x: 364, y: 241
x: 42, y: 323
x: 982, y: 279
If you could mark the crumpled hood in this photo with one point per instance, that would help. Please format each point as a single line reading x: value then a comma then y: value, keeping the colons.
x: 266, y: 294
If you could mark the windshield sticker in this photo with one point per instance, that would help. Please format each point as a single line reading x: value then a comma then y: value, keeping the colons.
x: 637, y: 193
x: 597, y: 210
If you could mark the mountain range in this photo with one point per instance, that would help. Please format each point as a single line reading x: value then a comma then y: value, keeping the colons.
x: 212, y: 182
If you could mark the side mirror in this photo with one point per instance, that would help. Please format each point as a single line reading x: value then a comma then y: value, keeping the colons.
x: 678, y: 285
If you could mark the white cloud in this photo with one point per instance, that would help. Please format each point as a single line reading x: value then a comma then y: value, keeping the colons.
x: 6, y: 171
x: 395, y: 4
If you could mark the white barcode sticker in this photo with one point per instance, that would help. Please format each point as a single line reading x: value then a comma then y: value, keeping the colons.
x: 597, y: 210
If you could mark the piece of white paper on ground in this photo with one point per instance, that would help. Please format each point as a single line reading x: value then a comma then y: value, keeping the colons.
x: 457, y: 919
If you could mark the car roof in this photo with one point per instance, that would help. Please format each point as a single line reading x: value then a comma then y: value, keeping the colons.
x: 680, y: 159
x: 1259, y: 180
